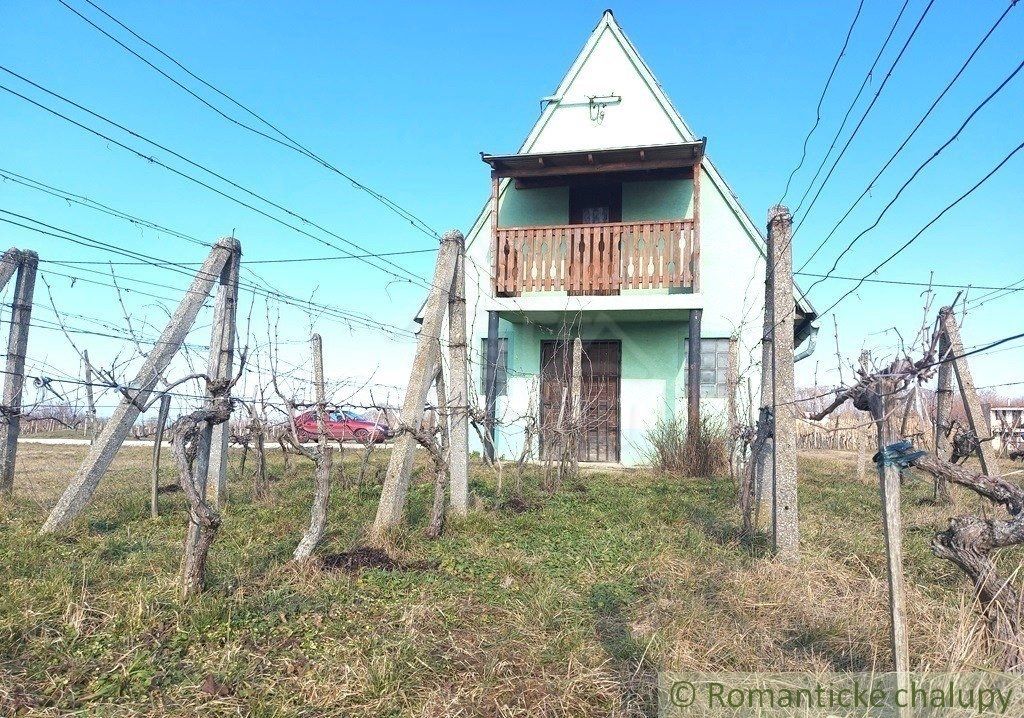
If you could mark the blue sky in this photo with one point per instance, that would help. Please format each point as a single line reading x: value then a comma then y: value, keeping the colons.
x: 404, y: 97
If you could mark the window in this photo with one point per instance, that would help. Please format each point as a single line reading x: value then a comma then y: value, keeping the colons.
x: 501, y: 370
x: 714, y: 367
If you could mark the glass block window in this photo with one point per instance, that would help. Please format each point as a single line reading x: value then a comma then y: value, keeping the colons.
x: 501, y: 371
x: 714, y: 367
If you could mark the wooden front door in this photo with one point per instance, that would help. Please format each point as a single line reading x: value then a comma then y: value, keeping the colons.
x: 601, y: 373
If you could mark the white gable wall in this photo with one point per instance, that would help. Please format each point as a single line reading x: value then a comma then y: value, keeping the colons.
x: 638, y: 119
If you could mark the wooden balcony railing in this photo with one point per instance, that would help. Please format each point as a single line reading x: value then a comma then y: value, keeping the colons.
x: 586, y: 259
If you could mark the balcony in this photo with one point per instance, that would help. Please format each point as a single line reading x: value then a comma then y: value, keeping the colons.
x: 596, y: 259
x: 597, y: 223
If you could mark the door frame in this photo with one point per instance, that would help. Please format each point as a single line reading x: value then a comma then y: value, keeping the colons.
x: 555, y: 343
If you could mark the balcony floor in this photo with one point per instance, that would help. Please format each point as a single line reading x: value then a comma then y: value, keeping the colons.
x: 546, y: 307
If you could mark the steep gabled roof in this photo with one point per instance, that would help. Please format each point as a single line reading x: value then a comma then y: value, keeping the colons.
x: 609, y: 25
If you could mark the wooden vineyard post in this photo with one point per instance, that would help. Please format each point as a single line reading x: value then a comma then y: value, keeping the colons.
x: 458, y: 449
x: 862, y: 435
x: 785, y: 521
x: 862, y: 455
x: 17, y: 344
x: 161, y: 422
x: 395, y: 492
x: 136, y: 394
x: 880, y: 404
x: 972, y: 406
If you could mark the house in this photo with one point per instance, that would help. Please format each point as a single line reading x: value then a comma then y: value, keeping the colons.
x: 1006, y: 424
x: 610, y: 223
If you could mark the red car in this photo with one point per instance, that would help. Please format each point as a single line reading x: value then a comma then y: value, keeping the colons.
x: 343, y: 426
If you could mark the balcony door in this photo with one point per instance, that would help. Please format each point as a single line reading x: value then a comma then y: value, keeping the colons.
x: 595, y: 203
x: 594, y: 250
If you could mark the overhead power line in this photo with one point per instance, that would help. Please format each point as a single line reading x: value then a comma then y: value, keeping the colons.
x: 11, y: 176
x: 329, y: 311
x: 285, y: 141
x: 282, y: 260
x: 920, y: 168
x: 867, y: 111
x: 909, y: 136
x: 899, y: 282
x: 853, y: 103
x: 932, y: 221
x: 409, y: 276
x: 821, y: 99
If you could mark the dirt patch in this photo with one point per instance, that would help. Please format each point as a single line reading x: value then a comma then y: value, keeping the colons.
x: 360, y: 557
x: 169, y: 489
x: 516, y: 505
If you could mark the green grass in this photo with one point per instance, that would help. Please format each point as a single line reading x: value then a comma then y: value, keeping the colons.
x: 569, y: 608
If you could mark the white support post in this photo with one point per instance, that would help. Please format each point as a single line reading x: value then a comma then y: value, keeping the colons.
x: 458, y: 453
x: 395, y: 492
x: 220, y: 367
x: 785, y: 517
x: 14, y: 378
x: 136, y: 395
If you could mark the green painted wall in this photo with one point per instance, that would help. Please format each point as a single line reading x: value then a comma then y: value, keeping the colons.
x: 657, y: 200
x: 653, y: 200
x: 534, y: 207
x: 653, y: 376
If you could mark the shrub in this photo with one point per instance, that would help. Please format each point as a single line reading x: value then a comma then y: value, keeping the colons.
x: 673, y: 449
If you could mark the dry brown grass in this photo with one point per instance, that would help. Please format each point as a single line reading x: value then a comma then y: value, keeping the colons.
x: 567, y: 609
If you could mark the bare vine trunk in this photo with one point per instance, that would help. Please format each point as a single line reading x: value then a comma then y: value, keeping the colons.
x: 259, y: 478
x: 752, y: 480
x: 318, y: 511
x: 440, y: 457
x: 203, y: 518
x: 969, y: 541
x: 436, y: 524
